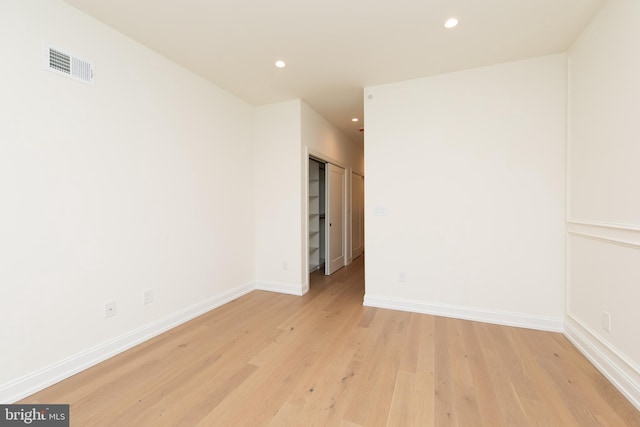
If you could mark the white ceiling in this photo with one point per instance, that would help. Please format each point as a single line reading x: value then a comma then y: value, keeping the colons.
x: 334, y: 48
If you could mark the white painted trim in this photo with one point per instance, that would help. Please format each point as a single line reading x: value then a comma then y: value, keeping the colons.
x: 283, y: 288
x: 610, y: 362
x: 609, y: 240
x: 42, y: 378
x: 569, y: 139
x: 467, y: 313
x: 322, y: 157
x: 305, y: 217
x: 604, y: 224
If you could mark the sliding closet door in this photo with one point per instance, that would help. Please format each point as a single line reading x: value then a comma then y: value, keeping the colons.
x: 335, y: 218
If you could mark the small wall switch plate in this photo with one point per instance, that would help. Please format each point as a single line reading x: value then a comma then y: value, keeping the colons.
x: 402, y: 276
x: 380, y: 211
x: 148, y: 296
x: 109, y: 309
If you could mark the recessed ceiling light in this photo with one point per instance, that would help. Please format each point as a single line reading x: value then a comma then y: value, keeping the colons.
x: 355, y: 119
x: 451, y: 23
x: 280, y: 64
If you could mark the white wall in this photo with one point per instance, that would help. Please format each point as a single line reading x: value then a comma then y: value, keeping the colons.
x: 278, y: 189
x: 465, y: 193
x: 323, y: 139
x: 604, y: 207
x: 140, y: 182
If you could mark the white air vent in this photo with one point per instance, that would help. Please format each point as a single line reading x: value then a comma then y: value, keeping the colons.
x: 61, y: 62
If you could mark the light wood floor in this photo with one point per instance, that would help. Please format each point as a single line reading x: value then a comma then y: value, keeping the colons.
x: 325, y: 360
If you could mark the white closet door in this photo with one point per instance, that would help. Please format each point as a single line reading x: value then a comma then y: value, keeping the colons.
x: 335, y: 218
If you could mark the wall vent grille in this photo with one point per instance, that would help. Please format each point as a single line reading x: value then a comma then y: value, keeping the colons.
x: 63, y: 63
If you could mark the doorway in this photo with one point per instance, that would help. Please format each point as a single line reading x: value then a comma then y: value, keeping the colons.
x: 327, y: 225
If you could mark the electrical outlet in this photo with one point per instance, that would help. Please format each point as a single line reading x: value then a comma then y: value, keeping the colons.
x: 285, y: 266
x: 109, y: 309
x: 148, y: 296
x: 606, y: 321
x: 402, y: 277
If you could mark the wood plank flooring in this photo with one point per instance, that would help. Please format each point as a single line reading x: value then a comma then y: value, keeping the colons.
x: 325, y: 360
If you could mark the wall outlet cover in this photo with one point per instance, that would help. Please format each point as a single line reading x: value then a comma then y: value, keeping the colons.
x: 148, y: 296
x: 109, y: 309
x: 606, y: 321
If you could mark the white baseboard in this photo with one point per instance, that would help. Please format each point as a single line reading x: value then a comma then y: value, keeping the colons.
x: 621, y: 373
x: 282, y: 288
x: 38, y: 380
x: 467, y: 313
